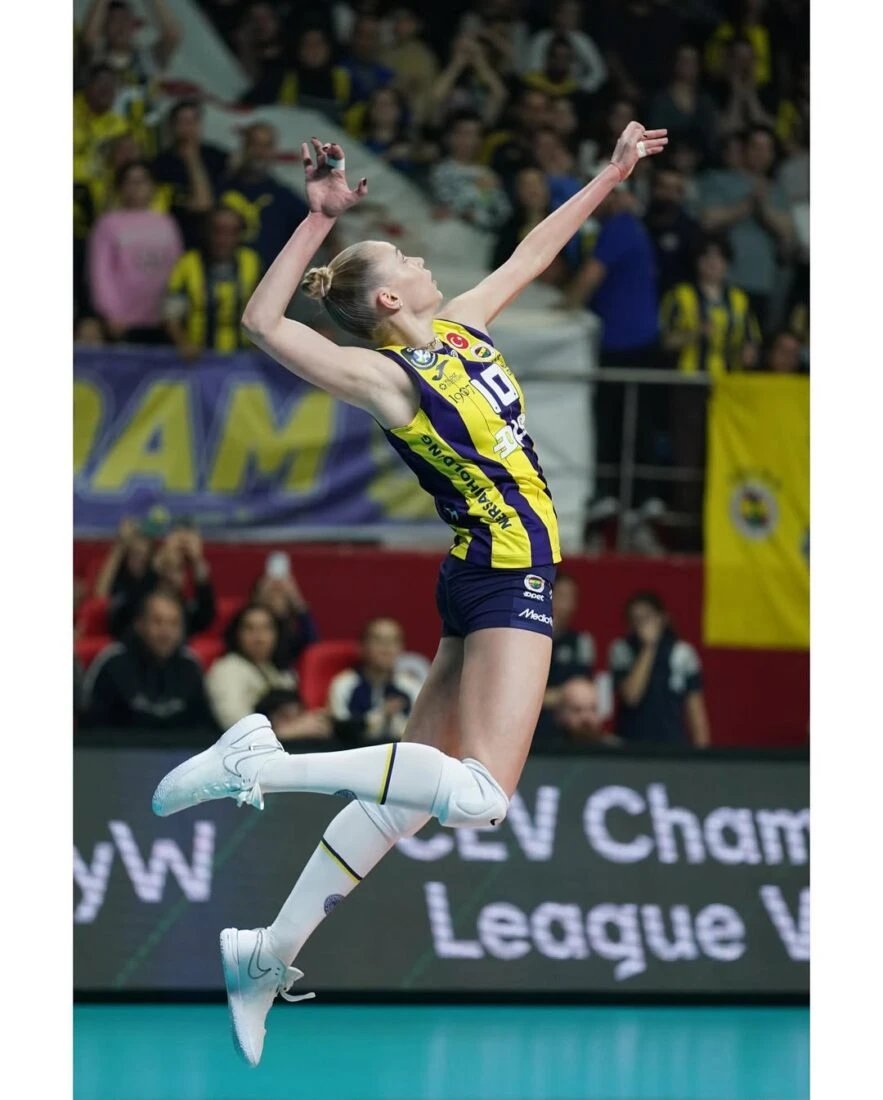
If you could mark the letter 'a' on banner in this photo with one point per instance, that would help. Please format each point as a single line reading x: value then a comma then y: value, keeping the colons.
x: 757, y: 513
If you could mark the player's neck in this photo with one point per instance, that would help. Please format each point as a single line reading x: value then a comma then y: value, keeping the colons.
x: 413, y: 330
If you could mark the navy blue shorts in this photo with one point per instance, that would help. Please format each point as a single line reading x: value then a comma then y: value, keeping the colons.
x: 473, y: 597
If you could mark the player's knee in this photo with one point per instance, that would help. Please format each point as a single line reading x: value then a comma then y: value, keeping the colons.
x: 469, y: 796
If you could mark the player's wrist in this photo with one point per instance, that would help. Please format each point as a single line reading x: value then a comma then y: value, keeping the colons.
x: 619, y: 170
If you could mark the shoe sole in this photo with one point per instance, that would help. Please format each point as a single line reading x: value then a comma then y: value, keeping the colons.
x: 230, y: 963
x: 177, y: 774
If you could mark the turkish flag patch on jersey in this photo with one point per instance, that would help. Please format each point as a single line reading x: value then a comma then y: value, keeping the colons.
x: 456, y: 340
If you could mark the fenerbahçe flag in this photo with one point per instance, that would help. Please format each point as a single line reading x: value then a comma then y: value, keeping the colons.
x: 757, y: 513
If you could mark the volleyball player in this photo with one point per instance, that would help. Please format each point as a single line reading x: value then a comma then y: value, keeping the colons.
x: 454, y: 412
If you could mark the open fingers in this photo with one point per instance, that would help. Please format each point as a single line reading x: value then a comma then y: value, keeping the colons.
x: 656, y: 134
x: 361, y: 189
x: 306, y: 158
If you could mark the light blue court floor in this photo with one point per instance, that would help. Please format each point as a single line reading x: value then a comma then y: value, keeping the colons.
x: 332, y: 1052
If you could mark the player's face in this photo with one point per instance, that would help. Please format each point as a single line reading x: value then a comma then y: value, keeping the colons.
x: 382, y: 646
x: 257, y: 635
x: 408, y: 280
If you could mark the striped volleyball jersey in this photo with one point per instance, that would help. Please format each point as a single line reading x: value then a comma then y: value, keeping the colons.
x: 470, y: 450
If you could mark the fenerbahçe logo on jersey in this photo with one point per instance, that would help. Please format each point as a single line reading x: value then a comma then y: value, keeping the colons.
x: 754, y: 510
x: 534, y: 583
x: 482, y: 351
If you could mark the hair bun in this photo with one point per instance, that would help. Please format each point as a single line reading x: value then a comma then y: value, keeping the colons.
x: 317, y: 282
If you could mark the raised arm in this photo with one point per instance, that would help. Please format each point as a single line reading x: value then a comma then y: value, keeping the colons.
x: 355, y: 375
x: 169, y: 32
x: 539, y: 248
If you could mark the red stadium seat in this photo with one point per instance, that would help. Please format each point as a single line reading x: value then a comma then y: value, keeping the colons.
x: 92, y: 616
x: 319, y: 665
x: 207, y: 649
x: 87, y: 649
x: 226, y: 608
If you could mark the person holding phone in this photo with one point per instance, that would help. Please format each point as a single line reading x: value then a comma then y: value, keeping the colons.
x: 277, y: 590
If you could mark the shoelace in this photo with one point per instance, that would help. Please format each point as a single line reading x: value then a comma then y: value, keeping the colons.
x: 287, y: 980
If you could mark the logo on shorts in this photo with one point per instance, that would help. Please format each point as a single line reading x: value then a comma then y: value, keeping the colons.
x: 534, y: 583
x: 456, y: 340
x: 535, y: 616
x: 482, y: 351
x: 421, y: 357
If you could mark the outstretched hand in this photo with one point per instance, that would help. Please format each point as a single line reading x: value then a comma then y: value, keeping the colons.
x: 635, y: 143
x: 327, y: 189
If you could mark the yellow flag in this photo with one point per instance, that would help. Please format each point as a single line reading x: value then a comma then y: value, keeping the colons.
x: 757, y: 513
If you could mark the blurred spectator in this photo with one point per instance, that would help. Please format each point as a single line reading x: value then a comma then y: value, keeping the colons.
x: 178, y: 567
x: 89, y: 333
x: 573, y: 652
x: 618, y: 283
x: 708, y: 327
x: 565, y: 119
x: 577, y: 717
x: 109, y: 34
x: 741, y: 103
x: 683, y: 108
x: 606, y: 131
x: 367, y: 73
x: 278, y: 590
x: 208, y: 290
x: 555, y: 78
x: 741, y: 200
x: 122, y: 573
x: 148, y: 681
x: 495, y: 19
x: 588, y: 67
x: 707, y: 322
x: 96, y: 123
x: 314, y: 81
x: 246, y: 672
x: 533, y: 203
x: 461, y: 185
x: 684, y: 157
x: 783, y: 354
x: 792, y: 116
x: 414, y: 64
x: 658, y: 680
x: 641, y: 39
x: 290, y: 720
x: 746, y: 24
x: 270, y: 211
x: 509, y: 150
x: 468, y: 84
x: 383, y: 128
x: 674, y: 233
x: 132, y: 251
x: 189, y: 171
x: 372, y: 692
x: 258, y: 39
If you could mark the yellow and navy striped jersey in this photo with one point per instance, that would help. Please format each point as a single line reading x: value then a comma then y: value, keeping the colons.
x: 210, y: 300
x: 469, y: 447
x: 732, y: 325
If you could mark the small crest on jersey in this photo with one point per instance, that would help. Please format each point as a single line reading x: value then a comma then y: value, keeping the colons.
x: 534, y: 583
x: 420, y: 357
x: 456, y: 340
x: 482, y: 351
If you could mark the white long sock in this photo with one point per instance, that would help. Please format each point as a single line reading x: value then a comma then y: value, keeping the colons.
x: 353, y: 844
x: 405, y: 774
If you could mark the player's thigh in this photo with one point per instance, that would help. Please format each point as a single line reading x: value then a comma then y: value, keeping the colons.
x: 435, y: 716
x: 505, y: 670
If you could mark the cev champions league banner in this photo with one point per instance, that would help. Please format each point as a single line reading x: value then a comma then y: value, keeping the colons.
x: 230, y: 441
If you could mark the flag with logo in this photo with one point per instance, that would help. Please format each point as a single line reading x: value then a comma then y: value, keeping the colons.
x: 757, y: 513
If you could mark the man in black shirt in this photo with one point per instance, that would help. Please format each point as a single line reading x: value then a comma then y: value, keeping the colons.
x: 573, y: 652
x: 189, y: 170
x: 658, y: 680
x: 675, y: 234
x: 149, y: 681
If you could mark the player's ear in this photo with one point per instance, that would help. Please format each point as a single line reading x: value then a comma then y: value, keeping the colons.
x: 388, y: 299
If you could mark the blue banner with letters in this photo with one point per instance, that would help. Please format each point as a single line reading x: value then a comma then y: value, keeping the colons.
x: 227, y: 442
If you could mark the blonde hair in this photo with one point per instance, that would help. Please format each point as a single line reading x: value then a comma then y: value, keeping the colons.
x: 345, y: 286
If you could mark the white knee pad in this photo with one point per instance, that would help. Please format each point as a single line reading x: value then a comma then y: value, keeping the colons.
x: 468, y: 795
x: 395, y: 822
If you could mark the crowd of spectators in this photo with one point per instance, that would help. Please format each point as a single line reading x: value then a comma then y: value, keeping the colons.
x: 182, y: 661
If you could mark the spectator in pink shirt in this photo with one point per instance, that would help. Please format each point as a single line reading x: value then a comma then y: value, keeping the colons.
x: 132, y: 251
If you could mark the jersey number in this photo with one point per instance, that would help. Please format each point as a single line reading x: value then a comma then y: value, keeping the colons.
x: 495, y: 388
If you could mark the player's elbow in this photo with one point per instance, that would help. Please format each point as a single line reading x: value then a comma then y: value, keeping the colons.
x: 254, y: 325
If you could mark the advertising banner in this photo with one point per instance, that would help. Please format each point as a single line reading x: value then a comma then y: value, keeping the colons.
x: 609, y: 875
x: 757, y: 513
